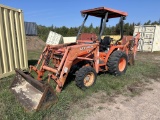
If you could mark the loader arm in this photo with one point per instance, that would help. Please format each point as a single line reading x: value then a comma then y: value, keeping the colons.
x: 74, y: 54
x: 83, y: 57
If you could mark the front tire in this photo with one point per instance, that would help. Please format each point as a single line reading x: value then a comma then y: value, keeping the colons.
x: 117, y: 63
x: 85, y: 77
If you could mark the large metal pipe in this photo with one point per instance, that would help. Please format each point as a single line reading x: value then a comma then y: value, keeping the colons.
x: 121, y: 29
x: 82, y: 26
x: 100, y: 25
x: 103, y: 26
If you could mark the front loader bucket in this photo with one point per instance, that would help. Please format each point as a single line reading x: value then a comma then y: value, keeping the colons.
x: 31, y: 93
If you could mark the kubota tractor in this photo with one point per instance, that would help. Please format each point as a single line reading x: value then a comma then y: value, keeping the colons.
x: 84, y: 58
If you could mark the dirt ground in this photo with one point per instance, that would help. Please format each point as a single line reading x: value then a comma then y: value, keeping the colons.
x: 34, y: 43
x: 144, y: 106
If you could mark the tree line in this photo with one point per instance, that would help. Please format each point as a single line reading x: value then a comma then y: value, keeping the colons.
x: 43, y: 31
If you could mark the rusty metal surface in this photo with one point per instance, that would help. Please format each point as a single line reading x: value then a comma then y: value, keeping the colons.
x: 126, y: 39
x: 87, y: 36
x: 100, y: 12
x: 29, y: 95
x: 131, y: 59
x: 31, y: 80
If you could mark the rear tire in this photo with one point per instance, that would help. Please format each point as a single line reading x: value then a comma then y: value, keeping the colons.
x: 117, y: 63
x: 85, y: 77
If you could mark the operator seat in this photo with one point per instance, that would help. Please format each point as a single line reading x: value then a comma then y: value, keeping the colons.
x: 105, y: 43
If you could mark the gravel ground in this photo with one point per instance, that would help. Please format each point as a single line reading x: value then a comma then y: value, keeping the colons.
x: 143, y: 107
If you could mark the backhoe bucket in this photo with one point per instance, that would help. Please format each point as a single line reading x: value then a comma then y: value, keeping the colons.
x: 31, y: 93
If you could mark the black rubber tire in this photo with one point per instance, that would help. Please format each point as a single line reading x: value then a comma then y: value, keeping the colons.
x: 113, y: 63
x: 82, y: 73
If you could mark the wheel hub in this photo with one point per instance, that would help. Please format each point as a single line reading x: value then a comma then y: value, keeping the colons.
x: 89, y: 79
x: 122, y: 64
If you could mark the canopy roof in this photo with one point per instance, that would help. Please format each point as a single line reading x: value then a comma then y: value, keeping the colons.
x: 101, y: 11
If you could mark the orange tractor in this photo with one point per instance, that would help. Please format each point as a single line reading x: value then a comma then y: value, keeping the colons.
x: 84, y: 58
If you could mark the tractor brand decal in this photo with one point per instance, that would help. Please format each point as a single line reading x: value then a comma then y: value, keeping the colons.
x: 65, y: 69
x: 87, y: 47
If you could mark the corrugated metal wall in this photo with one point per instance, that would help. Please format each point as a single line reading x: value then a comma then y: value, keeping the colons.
x: 13, y: 52
x: 30, y: 28
x: 149, y: 39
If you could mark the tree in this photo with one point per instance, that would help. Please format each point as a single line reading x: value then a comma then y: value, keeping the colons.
x: 90, y: 29
x: 43, y: 31
x: 155, y: 23
x: 148, y: 23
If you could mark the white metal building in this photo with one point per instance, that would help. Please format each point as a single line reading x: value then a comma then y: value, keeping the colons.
x: 150, y: 37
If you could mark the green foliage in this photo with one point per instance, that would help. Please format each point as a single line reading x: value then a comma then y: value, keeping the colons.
x: 149, y: 22
x: 71, y: 94
x: 43, y: 31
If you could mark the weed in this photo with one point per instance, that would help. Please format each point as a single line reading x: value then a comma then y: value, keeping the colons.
x: 133, y: 81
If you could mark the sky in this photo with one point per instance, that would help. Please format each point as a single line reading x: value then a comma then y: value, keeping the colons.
x: 67, y: 12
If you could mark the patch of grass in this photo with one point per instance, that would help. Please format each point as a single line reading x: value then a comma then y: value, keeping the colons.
x: 100, y: 108
x: 34, y: 55
x: 71, y: 95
